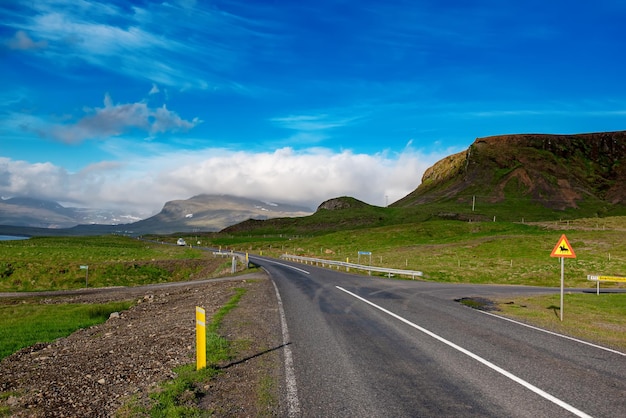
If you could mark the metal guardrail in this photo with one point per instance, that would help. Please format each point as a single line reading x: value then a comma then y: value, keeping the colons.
x: 223, y: 254
x: 348, y: 266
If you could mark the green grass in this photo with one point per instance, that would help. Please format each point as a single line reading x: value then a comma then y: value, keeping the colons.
x: 597, y: 318
x: 265, y: 395
x: 53, y: 263
x: 218, y: 348
x: 178, y: 397
x: 468, y: 252
x: 25, y: 323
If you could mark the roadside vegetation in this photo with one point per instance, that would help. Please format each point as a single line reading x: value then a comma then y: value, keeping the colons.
x: 178, y: 397
x: 30, y: 321
x: 588, y: 316
x: 54, y: 263
x: 462, y: 252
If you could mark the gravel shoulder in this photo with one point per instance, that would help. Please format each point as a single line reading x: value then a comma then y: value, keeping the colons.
x: 97, y: 370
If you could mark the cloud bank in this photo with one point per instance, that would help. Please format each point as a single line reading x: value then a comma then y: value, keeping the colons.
x: 287, y: 176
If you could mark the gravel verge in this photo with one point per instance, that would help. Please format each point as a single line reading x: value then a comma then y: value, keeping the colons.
x: 97, y: 370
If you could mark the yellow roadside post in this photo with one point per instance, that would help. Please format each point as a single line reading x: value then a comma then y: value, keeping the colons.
x: 200, y: 338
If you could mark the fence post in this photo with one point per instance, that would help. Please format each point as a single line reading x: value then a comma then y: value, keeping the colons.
x: 200, y: 338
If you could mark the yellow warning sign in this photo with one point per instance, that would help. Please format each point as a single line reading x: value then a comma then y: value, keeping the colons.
x: 563, y: 249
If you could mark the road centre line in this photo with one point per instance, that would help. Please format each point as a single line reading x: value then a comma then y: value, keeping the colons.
x: 487, y: 363
x: 553, y: 333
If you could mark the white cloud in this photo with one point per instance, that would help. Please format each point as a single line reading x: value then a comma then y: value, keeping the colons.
x: 19, y: 178
x: 189, y: 44
x: 299, y: 177
x: 312, y: 122
x: 115, y: 119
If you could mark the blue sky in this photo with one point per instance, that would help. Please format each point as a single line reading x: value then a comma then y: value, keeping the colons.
x: 130, y: 104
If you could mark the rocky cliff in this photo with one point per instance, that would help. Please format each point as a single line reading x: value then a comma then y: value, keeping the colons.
x: 555, y: 171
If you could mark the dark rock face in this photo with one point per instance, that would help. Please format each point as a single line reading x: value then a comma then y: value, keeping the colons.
x: 556, y: 171
x: 334, y: 204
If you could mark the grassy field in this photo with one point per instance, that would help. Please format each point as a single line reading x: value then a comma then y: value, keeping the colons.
x: 54, y: 263
x: 591, y: 317
x: 465, y: 252
x: 26, y: 322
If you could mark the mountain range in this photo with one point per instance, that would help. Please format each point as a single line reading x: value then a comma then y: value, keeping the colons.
x: 536, y: 176
x: 26, y: 211
x: 199, y: 213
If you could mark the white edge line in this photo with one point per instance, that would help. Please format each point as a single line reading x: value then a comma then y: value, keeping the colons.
x: 287, y: 265
x: 293, y: 404
x: 552, y: 333
x: 487, y: 363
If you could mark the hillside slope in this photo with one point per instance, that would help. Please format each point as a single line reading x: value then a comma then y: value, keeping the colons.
x: 557, y: 172
x: 341, y: 213
x: 212, y: 213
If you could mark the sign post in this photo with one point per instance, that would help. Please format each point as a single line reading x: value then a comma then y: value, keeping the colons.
x: 563, y: 250
x: 599, y: 279
x: 86, y: 268
x: 365, y: 253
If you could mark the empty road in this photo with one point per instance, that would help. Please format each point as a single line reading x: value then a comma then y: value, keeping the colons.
x: 360, y: 346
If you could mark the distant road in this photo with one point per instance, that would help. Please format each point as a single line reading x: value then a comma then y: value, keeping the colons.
x: 372, y: 347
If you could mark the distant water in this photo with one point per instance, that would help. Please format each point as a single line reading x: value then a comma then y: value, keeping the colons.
x: 11, y: 237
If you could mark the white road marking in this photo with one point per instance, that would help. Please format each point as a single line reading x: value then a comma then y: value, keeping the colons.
x: 286, y: 265
x: 492, y: 366
x: 293, y: 404
x: 553, y: 333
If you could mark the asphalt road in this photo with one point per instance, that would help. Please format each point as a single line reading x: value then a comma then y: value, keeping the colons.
x: 373, y: 347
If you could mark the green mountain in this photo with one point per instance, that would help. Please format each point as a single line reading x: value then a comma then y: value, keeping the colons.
x: 526, y: 177
x: 539, y: 175
x: 332, y: 215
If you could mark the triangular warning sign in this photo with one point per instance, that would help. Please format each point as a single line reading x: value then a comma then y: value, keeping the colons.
x: 563, y: 249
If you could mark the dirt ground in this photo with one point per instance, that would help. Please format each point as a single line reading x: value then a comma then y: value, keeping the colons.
x: 95, y: 371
